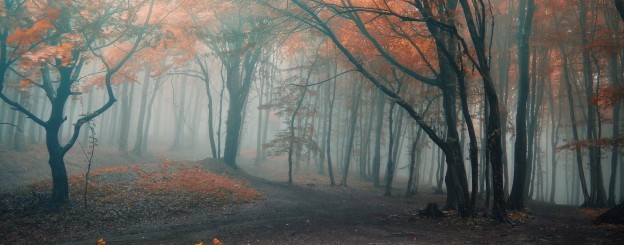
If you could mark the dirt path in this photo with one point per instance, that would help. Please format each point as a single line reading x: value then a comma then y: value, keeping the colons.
x: 317, y: 214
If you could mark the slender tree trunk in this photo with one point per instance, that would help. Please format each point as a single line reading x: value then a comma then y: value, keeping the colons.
x: 194, y: 125
x: 124, y: 119
x: 326, y: 97
x: 579, y: 157
x: 597, y: 194
x: 180, y: 118
x: 613, y: 78
x: 329, y: 131
x: 207, y: 84
x: 473, y: 149
x: 138, y: 143
x: 18, y: 135
x: 412, y: 181
x: 292, y: 134
x: 220, y: 118
x: 259, y: 148
x: 357, y: 94
x: 390, y: 164
x: 149, y: 110
x: 292, y: 125
x: 554, y: 140
x: 380, y: 104
x: 267, y: 111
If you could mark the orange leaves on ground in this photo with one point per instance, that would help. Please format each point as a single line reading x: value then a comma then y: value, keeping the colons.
x: 216, y: 242
x: 194, y: 181
x: 101, y: 241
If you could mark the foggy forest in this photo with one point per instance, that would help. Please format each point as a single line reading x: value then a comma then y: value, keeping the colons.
x: 311, y: 121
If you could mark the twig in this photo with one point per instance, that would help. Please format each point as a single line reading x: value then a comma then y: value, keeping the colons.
x: 14, y: 125
x: 324, y: 81
x: 89, y: 158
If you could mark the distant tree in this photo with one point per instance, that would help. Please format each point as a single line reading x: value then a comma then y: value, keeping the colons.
x: 238, y: 38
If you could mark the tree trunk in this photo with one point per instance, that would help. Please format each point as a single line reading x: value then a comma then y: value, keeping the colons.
x: 597, y: 194
x: 412, y: 181
x: 124, y: 119
x: 60, y: 185
x: 613, y: 78
x: 18, y: 135
x: 380, y: 104
x: 526, y: 8
x: 390, y: 164
x: 219, y: 128
x: 292, y: 126
x: 232, y: 131
x: 240, y: 72
x: 267, y: 111
x: 554, y: 139
x: 329, y: 131
x: 357, y: 94
x: 259, y: 128
x: 473, y: 149
x: 194, y: 125
x: 180, y: 117
x: 579, y: 157
x: 138, y: 143
x: 148, y: 118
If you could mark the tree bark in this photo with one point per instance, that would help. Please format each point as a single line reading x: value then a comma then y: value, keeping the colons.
x: 613, y: 78
x: 138, y: 143
x: 412, y: 181
x: 239, y: 78
x: 526, y: 8
x: 357, y: 94
x: 124, y: 119
x: 330, y: 168
x: 575, y: 134
x: 390, y: 164
x: 597, y: 196
x: 380, y: 104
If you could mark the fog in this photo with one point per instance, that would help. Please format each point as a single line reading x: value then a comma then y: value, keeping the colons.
x: 485, y: 109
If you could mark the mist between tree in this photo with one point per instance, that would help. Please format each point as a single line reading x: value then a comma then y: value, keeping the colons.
x: 493, y: 104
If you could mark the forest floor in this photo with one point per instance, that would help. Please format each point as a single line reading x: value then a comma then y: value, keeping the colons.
x: 312, y: 212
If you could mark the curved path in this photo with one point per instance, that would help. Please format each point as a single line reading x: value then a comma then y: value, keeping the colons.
x: 311, y: 214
